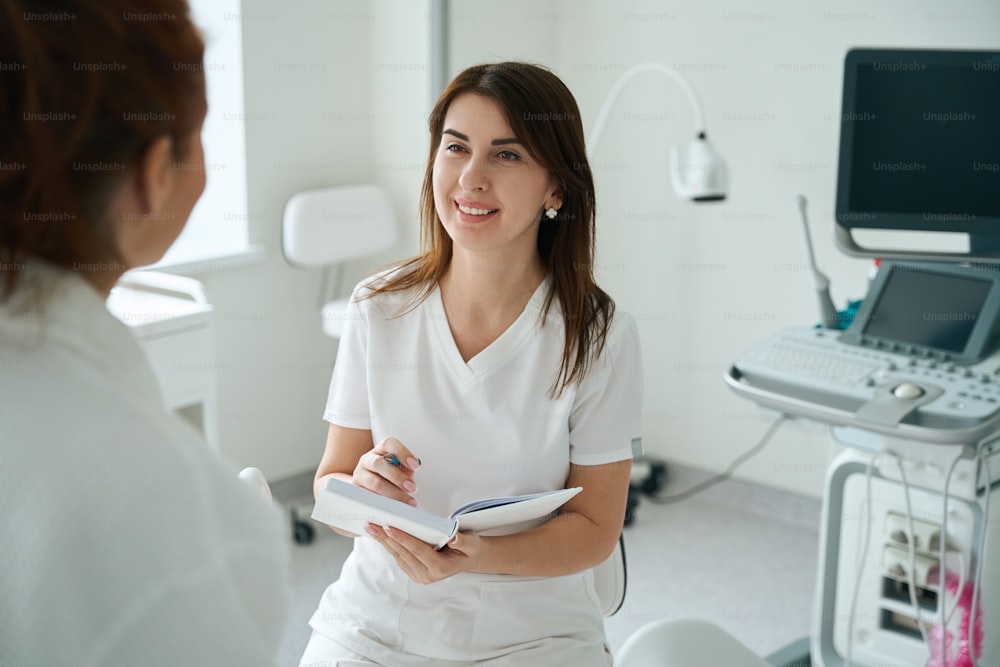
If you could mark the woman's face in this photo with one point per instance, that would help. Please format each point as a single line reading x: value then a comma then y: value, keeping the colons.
x: 189, y: 184
x: 489, y: 193
x: 146, y: 239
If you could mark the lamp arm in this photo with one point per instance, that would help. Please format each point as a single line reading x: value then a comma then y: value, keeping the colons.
x: 631, y: 73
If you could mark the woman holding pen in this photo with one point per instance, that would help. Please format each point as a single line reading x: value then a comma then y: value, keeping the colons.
x: 489, y: 365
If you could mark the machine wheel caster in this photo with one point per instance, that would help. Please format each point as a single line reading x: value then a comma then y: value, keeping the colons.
x: 303, y: 532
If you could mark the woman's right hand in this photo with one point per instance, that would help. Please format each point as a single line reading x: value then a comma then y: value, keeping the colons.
x: 387, y: 469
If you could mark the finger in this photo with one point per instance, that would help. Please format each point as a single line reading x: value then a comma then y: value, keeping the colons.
x: 397, y: 474
x: 381, y: 465
x: 392, y: 540
x: 376, y: 483
x: 407, y: 548
x: 422, y: 561
x: 378, y: 533
x: 403, y: 456
x: 410, y: 553
x: 465, y: 544
x: 408, y: 542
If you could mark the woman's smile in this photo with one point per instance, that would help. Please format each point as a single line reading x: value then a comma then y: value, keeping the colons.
x: 474, y: 211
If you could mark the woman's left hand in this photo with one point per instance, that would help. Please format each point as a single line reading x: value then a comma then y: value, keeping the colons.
x: 423, y: 563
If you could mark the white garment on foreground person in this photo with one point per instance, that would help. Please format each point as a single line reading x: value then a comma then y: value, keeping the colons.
x: 124, y: 541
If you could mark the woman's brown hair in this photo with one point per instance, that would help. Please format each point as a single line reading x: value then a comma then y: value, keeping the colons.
x: 87, y: 86
x: 544, y: 117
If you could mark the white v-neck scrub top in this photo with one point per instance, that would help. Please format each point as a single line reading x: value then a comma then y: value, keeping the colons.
x: 483, y: 428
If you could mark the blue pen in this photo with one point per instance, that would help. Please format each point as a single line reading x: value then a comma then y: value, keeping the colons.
x: 393, y: 461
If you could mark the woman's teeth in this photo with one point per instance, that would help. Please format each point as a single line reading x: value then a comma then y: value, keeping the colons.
x: 468, y: 210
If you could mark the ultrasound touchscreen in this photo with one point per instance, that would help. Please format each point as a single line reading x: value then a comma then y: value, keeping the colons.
x: 928, y: 309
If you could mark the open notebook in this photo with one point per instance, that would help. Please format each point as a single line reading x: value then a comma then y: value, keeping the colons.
x: 351, y: 508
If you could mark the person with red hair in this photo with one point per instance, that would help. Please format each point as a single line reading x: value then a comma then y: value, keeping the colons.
x: 125, y: 542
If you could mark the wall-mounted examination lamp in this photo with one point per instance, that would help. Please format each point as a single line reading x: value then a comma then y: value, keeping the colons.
x: 702, y: 178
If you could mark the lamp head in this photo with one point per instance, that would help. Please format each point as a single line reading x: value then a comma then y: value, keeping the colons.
x: 702, y: 176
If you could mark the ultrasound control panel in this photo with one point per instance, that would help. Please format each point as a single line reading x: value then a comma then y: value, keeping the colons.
x: 919, y: 362
x: 810, y: 372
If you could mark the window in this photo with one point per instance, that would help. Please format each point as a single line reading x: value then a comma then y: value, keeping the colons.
x: 218, y: 226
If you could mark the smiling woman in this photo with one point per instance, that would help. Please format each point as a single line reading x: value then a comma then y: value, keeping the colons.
x: 529, y: 107
x: 530, y: 382
x: 500, y: 173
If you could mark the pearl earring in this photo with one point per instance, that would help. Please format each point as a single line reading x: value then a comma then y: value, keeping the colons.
x: 551, y: 213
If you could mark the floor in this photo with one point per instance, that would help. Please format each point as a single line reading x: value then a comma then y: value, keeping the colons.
x: 739, y: 555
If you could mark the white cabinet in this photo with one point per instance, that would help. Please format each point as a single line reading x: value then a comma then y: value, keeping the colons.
x: 173, y: 323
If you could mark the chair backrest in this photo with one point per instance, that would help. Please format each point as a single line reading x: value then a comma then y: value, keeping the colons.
x: 610, y: 578
x: 685, y: 642
x: 335, y: 224
x: 256, y: 480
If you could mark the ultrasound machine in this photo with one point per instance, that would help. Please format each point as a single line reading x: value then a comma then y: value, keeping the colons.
x: 910, y: 541
x: 909, y: 557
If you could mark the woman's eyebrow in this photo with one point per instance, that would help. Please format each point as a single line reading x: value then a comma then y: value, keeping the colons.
x: 495, y: 142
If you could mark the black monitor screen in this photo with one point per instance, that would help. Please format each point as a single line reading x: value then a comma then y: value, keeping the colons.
x: 928, y: 309
x: 920, y: 141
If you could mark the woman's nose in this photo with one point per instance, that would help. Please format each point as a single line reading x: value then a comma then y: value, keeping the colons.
x: 474, y: 175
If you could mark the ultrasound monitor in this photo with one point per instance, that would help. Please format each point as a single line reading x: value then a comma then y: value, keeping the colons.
x: 920, y: 148
x: 933, y: 311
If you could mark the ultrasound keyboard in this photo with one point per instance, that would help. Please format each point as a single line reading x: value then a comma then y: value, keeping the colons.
x: 888, y: 388
x: 783, y: 359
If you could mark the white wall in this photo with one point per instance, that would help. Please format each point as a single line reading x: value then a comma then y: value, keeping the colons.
x: 401, y: 101
x: 336, y: 93
x: 340, y: 95
x: 308, y: 125
x: 707, y: 282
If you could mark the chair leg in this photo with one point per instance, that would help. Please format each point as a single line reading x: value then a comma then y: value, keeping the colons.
x: 302, y: 531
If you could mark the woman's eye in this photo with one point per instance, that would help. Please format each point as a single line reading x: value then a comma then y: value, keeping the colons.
x: 453, y: 148
x: 508, y: 155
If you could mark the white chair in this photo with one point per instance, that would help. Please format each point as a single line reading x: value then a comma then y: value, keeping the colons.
x: 685, y: 643
x: 329, y: 226
x: 610, y: 579
x: 256, y: 480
